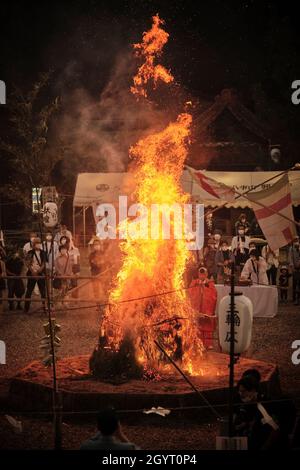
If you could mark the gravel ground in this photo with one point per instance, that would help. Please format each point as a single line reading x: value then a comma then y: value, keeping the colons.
x: 180, y: 435
x: 272, y: 340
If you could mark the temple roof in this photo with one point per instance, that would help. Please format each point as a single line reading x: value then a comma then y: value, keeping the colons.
x: 228, y: 99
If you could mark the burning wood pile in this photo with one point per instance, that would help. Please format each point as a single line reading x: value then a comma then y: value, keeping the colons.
x: 153, y: 267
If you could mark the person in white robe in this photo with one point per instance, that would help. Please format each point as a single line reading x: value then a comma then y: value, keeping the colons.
x: 255, y: 269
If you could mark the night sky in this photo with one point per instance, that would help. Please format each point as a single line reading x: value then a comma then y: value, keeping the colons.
x: 247, y: 45
x: 212, y: 44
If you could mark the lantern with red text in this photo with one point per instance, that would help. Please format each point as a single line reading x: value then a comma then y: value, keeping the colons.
x: 243, y: 319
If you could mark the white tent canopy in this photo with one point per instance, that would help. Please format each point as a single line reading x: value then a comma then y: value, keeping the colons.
x: 105, y: 188
x: 241, y: 182
x: 93, y: 188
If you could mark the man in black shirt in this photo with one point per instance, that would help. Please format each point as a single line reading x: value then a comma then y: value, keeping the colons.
x: 14, y: 266
x: 36, y: 263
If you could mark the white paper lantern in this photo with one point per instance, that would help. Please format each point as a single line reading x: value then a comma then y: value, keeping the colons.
x: 243, y: 319
x: 50, y: 218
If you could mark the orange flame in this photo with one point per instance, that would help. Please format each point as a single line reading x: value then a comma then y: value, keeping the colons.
x: 150, y: 48
x: 151, y: 266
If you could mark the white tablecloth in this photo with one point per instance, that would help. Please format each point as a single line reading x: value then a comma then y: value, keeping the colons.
x: 264, y: 298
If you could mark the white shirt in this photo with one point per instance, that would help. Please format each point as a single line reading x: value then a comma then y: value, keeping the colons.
x: 59, y: 235
x: 272, y: 258
x: 27, y: 247
x: 257, y: 272
x: 74, y: 254
x: 51, y: 255
x: 237, y: 240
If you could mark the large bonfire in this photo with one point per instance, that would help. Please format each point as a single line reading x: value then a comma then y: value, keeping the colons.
x: 153, y: 268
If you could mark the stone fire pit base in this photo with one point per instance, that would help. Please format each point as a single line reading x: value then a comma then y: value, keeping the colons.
x: 30, y: 389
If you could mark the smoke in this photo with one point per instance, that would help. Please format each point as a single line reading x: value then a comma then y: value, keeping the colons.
x: 97, y: 131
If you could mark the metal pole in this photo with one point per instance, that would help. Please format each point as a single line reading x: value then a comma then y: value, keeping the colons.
x: 84, y: 235
x: 74, y: 224
x: 232, y: 359
x: 187, y: 379
x: 55, y: 394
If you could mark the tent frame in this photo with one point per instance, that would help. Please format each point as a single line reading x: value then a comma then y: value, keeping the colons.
x: 84, y: 209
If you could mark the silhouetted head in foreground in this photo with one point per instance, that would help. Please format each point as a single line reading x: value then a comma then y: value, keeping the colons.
x: 253, y: 373
x: 248, y: 388
x: 107, y: 421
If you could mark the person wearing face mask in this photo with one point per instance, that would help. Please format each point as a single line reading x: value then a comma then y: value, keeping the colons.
x: 223, y: 260
x: 96, y: 266
x: 74, y: 253
x: 217, y: 239
x: 272, y: 260
x: 28, y: 246
x: 240, y: 248
x: 36, y: 264
x: 209, y: 259
x: 255, y: 268
x: 50, y: 247
x: 252, y: 246
x: 294, y: 263
x: 63, y: 232
x: 242, y: 220
x: 14, y: 267
x: 65, y: 241
x: 63, y: 267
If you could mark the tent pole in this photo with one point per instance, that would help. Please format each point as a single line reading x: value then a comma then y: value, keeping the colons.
x: 74, y: 233
x: 84, y: 234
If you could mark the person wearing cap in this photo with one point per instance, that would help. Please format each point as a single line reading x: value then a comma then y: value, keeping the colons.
x: 110, y: 435
x: 283, y: 282
x: 255, y: 269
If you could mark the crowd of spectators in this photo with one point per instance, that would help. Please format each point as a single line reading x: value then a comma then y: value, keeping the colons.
x: 253, y: 258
